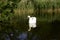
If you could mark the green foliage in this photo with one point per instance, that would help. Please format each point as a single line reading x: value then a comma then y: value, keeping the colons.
x: 7, y: 15
x: 25, y: 5
x: 7, y: 7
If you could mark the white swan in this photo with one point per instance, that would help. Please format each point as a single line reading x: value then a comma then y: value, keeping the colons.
x: 32, y: 22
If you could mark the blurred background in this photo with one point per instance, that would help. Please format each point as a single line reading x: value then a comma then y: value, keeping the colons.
x: 14, y: 21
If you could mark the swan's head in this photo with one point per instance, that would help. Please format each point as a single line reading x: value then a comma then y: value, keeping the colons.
x: 28, y: 16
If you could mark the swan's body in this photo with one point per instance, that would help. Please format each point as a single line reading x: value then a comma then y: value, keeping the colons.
x: 32, y: 22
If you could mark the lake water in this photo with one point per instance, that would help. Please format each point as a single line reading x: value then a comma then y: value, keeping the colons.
x: 19, y: 31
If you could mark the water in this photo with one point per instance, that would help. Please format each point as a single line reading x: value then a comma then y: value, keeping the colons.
x: 18, y: 31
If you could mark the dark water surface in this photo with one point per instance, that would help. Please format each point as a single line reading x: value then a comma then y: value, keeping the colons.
x: 43, y: 31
